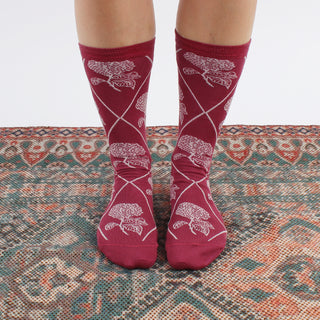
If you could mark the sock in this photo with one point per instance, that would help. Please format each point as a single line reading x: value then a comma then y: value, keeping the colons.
x: 119, y: 81
x: 208, y: 75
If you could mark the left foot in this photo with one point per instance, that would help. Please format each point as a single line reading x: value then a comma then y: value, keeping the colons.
x: 196, y: 232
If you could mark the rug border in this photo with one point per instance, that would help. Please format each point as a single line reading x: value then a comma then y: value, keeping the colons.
x: 161, y: 131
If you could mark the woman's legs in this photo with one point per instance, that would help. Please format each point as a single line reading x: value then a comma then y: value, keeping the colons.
x: 212, y: 40
x: 116, y: 41
x: 220, y: 22
x: 113, y: 23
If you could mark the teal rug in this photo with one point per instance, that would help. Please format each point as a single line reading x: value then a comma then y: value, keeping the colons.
x: 56, y: 182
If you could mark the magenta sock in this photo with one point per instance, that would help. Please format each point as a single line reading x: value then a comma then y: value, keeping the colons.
x: 208, y: 76
x: 119, y: 80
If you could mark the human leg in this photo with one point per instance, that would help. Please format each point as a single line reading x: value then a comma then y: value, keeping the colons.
x: 116, y: 41
x: 218, y: 22
x: 112, y: 23
x: 209, y: 70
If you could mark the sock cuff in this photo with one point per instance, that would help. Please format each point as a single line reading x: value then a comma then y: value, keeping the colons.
x: 211, y: 49
x: 138, y: 49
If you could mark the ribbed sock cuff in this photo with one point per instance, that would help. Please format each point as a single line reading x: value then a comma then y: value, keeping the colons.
x: 211, y: 49
x: 138, y: 49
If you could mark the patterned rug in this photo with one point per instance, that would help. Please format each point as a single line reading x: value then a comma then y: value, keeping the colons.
x: 55, y: 183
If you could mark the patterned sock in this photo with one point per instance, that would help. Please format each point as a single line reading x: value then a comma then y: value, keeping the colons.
x: 208, y: 75
x: 119, y: 80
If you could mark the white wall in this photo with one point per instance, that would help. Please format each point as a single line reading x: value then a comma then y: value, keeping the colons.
x: 43, y: 82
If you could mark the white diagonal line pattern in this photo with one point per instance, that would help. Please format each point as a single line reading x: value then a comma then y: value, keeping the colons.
x: 121, y: 117
x: 197, y: 182
x: 200, y: 106
x: 130, y: 182
x: 127, y: 182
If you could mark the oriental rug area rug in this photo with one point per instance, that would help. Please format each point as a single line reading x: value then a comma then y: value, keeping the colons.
x: 55, y: 183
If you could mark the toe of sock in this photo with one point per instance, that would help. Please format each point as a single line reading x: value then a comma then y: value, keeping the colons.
x: 192, y: 257
x: 131, y: 257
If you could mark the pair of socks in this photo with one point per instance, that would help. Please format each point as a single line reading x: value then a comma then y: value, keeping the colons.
x: 119, y: 81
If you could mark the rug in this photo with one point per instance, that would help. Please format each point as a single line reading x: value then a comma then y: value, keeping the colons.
x: 55, y: 183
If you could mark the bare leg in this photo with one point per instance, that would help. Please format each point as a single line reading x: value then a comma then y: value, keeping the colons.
x: 220, y: 22
x: 113, y: 23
